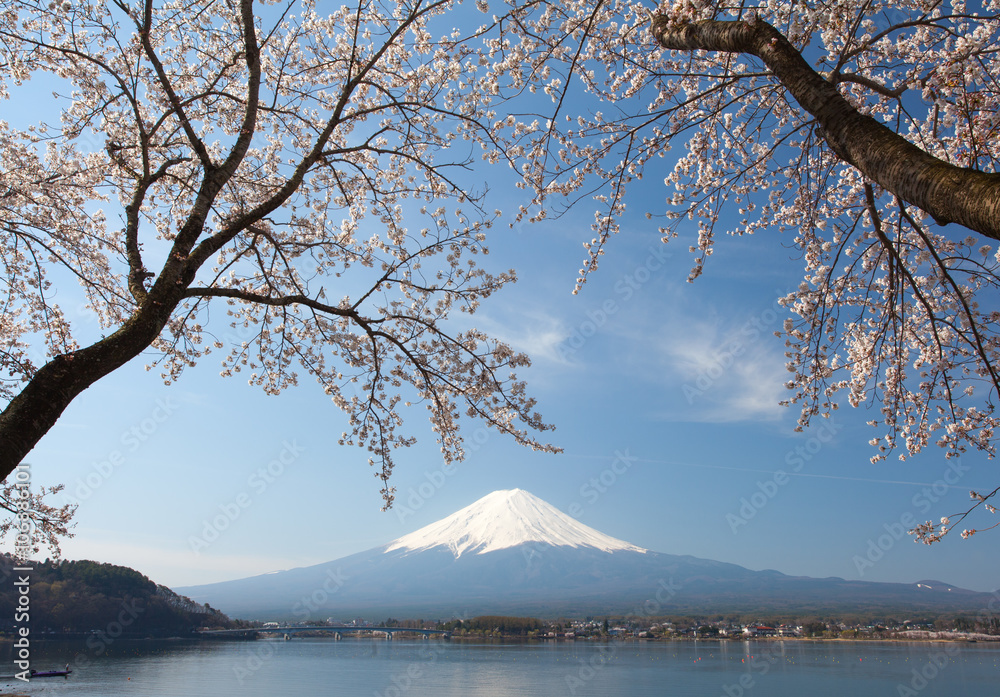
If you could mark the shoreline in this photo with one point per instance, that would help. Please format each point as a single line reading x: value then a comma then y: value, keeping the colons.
x: 859, y: 640
x: 921, y: 636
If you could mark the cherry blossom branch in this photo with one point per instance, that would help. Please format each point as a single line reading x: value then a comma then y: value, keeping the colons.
x: 948, y: 193
x: 144, y: 27
x: 209, y: 148
x: 281, y: 301
x: 49, y: 525
x: 930, y: 532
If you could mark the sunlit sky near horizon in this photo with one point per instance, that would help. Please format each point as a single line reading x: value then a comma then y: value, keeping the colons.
x: 665, y: 398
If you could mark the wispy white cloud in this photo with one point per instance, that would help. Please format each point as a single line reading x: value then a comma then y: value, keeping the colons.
x: 533, y: 331
x: 724, y: 373
x: 712, y: 364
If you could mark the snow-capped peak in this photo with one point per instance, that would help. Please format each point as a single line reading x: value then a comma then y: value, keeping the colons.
x: 505, y: 519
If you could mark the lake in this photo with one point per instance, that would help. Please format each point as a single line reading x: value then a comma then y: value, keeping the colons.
x: 380, y: 668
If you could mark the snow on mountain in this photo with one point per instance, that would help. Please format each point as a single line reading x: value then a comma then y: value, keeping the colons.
x: 504, y: 519
x: 512, y: 553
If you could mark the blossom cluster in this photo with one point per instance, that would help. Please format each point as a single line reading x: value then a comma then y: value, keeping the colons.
x: 285, y: 179
x: 894, y: 311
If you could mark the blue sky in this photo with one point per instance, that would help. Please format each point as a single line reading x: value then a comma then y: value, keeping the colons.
x: 664, y: 394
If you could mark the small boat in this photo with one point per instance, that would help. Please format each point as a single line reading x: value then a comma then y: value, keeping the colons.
x: 51, y: 673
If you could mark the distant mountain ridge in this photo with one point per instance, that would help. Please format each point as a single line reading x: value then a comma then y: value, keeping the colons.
x: 511, y: 552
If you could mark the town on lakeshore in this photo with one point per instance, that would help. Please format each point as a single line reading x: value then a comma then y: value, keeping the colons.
x: 103, y: 603
x: 674, y: 628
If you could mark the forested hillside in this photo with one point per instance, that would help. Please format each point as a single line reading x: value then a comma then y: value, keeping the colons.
x: 87, y: 596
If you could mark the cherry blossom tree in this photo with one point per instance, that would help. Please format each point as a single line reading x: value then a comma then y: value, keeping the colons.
x: 32, y: 522
x: 264, y: 155
x: 866, y: 130
x: 296, y: 171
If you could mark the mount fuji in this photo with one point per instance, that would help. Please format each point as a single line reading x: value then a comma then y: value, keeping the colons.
x: 512, y: 553
x: 506, y: 519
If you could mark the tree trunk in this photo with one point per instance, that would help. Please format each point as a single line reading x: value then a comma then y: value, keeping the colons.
x: 35, y: 410
x: 948, y: 193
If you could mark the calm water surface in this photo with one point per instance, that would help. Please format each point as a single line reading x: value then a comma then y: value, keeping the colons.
x: 456, y: 669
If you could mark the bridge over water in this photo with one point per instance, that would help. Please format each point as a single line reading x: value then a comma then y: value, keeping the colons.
x: 337, y: 631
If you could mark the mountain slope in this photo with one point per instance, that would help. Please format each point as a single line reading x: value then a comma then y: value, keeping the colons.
x: 506, y: 519
x: 513, y: 553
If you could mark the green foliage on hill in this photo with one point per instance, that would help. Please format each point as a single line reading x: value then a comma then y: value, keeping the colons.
x: 495, y: 624
x: 88, y: 596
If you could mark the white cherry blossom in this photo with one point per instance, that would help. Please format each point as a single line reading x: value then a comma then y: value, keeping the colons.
x: 269, y: 161
x: 867, y: 132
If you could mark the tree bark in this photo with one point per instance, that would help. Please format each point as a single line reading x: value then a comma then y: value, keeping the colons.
x: 948, y: 193
x: 35, y: 409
